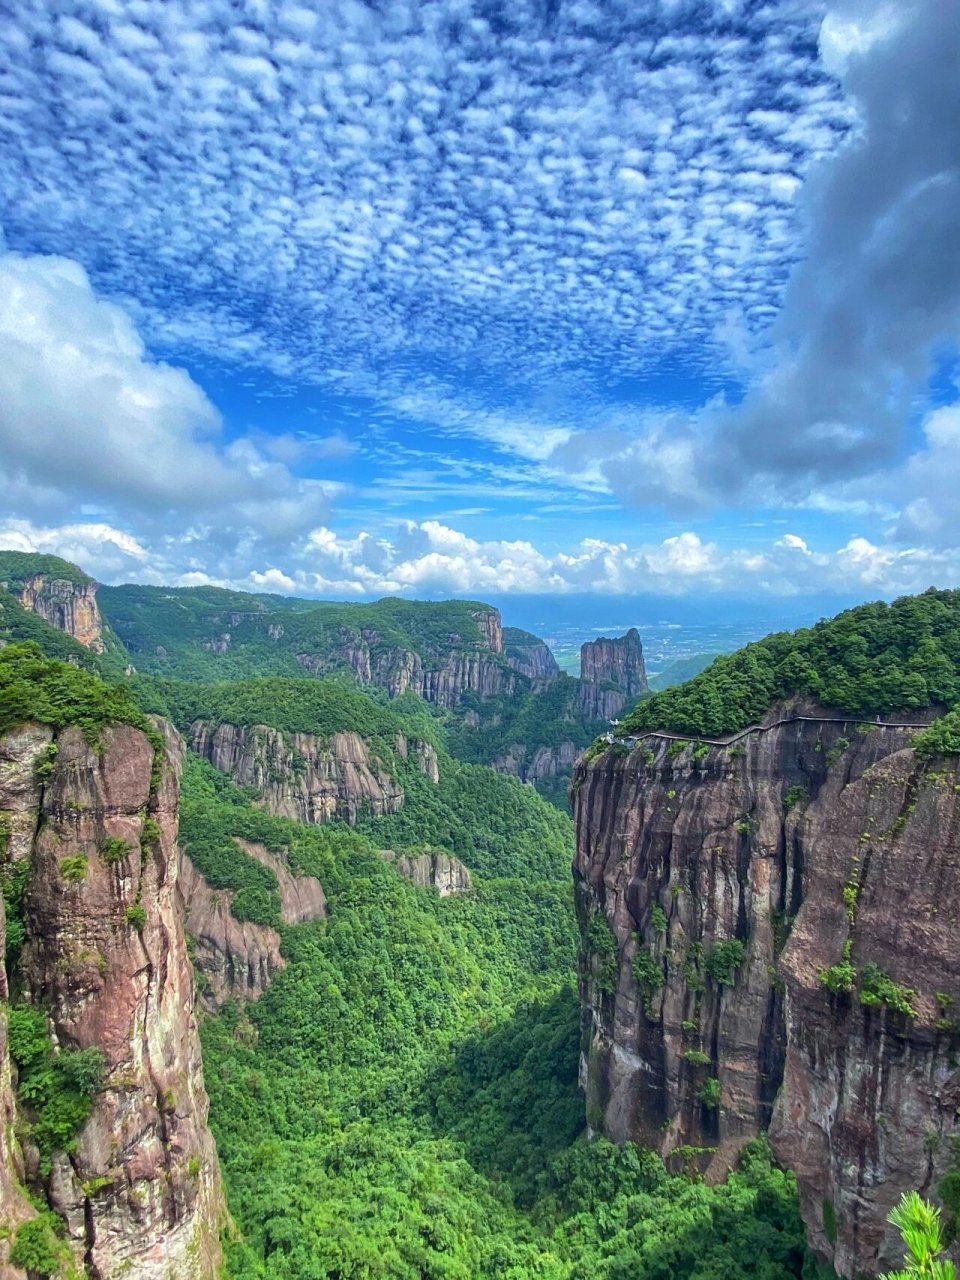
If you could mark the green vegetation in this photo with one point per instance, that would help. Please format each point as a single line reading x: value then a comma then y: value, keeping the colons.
x: 724, y: 959
x: 35, y: 687
x: 919, y: 1224
x: 403, y: 1101
x: 877, y: 658
x: 320, y: 707
x: 74, y: 868
x: 793, y: 796
x: 710, y: 1093
x: 648, y: 975
x: 178, y: 631
x: 546, y: 717
x: 17, y: 566
x: 680, y: 671
x: 38, y: 1247
x: 877, y: 987
x: 602, y: 947
x: 839, y: 978
x: 942, y: 738
x: 57, y: 1090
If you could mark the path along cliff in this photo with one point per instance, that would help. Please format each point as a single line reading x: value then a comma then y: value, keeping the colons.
x: 769, y: 945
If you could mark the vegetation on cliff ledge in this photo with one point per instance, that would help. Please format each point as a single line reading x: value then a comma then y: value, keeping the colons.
x: 874, y: 659
x: 36, y: 688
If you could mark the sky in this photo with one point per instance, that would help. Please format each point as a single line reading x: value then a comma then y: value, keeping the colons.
x: 466, y: 297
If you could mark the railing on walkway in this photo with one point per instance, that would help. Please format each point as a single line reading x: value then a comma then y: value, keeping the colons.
x: 726, y: 741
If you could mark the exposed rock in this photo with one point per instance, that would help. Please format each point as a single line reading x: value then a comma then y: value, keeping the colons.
x: 233, y: 959
x: 542, y: 762
x: 612, y: 675
x: 299, y: 775
x: 434, y: 867
x: 529, y: 655
x: 68, y: 606
x: 140, y: 1195
x: 237, y: 959
x: 14, y: 1206
x: 423, y: 754
x: 680, y: 853
x: 440, y: 677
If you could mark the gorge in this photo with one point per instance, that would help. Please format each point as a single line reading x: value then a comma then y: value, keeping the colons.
x: 376, y: 941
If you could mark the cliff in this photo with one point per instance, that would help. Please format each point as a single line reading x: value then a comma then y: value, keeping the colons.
x: 527, y: 654
x: 612, y: 675
x: 104, y: 956
x: 68, y: 605
x: 307, y: 778
x: 431, y: 869
x: 237, y: 959
x: 722, y: 891
x: 438, y: 650
x: 441, y: 675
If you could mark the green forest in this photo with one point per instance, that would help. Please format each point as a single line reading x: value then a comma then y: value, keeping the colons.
x: 403, y: 1102
x: 179, y: 631
x: 876, y: 658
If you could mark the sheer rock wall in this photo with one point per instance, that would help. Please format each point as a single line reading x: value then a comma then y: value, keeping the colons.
x: 757, y: 842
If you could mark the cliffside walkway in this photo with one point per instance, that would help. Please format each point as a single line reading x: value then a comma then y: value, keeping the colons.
x: 731, y: 738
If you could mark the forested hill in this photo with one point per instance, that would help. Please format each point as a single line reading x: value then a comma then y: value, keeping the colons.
x: 209, y: 633
x: 504, y: 700
x: 874, y: 659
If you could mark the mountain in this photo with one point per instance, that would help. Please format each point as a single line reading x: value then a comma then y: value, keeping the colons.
x: 764, y: 864
x: 388, y: 1026
x: 61, y: 595
x: 503, y: 683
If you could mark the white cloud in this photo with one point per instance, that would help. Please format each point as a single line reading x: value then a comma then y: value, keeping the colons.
x: 429, y: 558
x: 88, y: 418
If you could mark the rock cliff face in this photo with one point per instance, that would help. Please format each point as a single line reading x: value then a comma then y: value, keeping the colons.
x: 237, y: 959
x: 529, y: 655
x: 440, y: 677
x: 436, y: 869
x: 534, y: 764
x: 105, y: 957
x: 68, y: 606
x: 612, y: 674
x: 714, y: 888
x: 306, y: 778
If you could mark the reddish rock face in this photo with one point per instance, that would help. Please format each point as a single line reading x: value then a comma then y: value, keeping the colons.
x: 140, y: 1195
x: 612, y: 675
x: 68, y: 606
x: 756, y: 844
x: 237, y: 959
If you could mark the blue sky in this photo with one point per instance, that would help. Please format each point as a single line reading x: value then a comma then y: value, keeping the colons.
x: 553, y: 296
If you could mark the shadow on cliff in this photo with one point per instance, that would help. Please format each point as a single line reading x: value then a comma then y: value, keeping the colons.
x: 510, y: 1094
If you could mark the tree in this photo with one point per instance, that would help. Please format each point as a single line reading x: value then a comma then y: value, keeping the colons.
x: 919, y: 1224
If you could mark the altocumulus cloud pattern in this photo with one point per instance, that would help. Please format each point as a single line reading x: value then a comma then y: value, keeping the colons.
x: 521, y: 189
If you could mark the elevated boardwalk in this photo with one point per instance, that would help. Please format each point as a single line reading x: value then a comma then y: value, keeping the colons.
x: 877, y: 723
